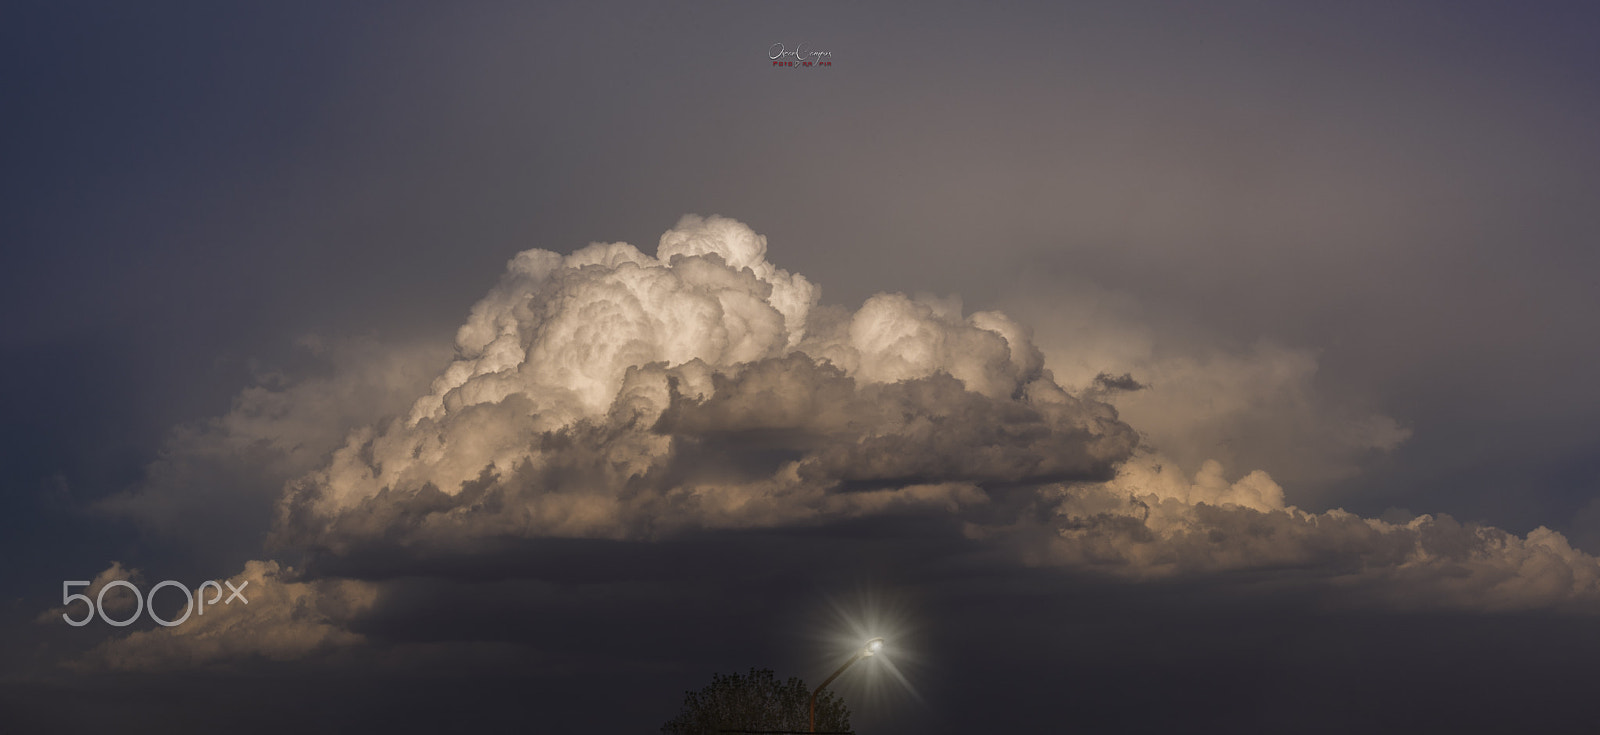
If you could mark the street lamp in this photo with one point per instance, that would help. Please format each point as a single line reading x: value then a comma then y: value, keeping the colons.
x: 872, y: 647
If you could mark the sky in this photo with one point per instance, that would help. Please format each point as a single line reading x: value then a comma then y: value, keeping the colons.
x: 1129, y: 367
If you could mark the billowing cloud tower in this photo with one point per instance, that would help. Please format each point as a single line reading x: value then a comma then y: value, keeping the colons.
x: 617, y: 395
x: 611, y: 393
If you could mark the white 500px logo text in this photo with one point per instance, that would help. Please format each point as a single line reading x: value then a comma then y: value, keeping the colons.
x: 195, y: 603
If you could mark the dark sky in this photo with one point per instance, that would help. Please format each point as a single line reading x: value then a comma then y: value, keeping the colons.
x: 1352, y: 246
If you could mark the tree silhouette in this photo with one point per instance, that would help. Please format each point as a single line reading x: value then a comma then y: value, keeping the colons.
x: 756, y: 701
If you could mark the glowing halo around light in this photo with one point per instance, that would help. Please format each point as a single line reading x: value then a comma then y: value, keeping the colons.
x: 878, y: 629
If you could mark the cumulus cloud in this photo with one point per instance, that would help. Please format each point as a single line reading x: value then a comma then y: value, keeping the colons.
x: 115, y: 603
x: 1152, y: 521
x: 1108, y: 383
x: 614, y: 394
x: 284, y: 619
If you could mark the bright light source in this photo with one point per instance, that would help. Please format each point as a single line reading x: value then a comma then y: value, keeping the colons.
x: 860, y: 628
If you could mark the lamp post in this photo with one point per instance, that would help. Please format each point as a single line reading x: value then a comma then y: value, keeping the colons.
x: 872, y: 647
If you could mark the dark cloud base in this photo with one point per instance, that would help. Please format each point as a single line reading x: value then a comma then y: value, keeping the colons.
x: 605, y: 636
